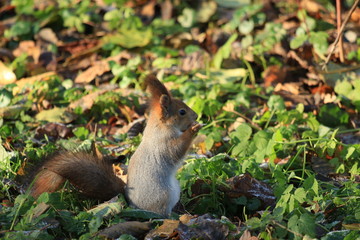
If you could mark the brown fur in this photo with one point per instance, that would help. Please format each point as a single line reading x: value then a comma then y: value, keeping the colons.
x: 93, y: 176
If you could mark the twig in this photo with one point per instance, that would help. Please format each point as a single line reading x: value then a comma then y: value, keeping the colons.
x: 338, y: 20
x: 340, y: 70
x: 287, y: 229
x: 254, y: 125
x: 340, y: 32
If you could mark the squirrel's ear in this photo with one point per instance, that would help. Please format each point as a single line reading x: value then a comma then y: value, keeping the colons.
x: 160, y: 97
x: 165, y: 106
x: 156, y: 88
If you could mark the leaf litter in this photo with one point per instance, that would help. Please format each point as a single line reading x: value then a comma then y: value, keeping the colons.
x: 227, y: 59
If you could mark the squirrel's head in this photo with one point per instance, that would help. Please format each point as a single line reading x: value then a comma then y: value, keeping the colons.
x: 171, y: 111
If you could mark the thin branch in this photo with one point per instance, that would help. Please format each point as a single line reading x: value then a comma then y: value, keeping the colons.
x: 338, y: 20
x: 340, y: 33
x: 287, y: 229
x: 254, y: 125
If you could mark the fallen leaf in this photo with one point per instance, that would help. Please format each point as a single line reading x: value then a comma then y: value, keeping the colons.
x: 121, y: 172
x: 292, y: 87
x: 204, y: 227
x: 352, y: 226
x: 60, y: 115
x: 53, y: 130
x: 100, y: 67
x: 7, y: 76
x: 194, y: 61
x: 185, y: 218
x: 149, y: 9
x: 166, y: 10
x: 246, y: 185
x: 206, y: 9
x: 130, y: 38
x: 274, y: 74
x: 31, y: 80
x: 178, y: 40
x: 28, y: 47
x: 87, y: 101
x: 108, y: 209
x: 164, y: 231
x: 12, y: 111
x: 247, y: 236
x: 39, y: 209
x: 312, y: 6
x: 48, y: 35
x: 96, y: 70
x: 134, y: 228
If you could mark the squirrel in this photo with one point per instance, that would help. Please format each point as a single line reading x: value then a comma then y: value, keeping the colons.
x: 151, y: 182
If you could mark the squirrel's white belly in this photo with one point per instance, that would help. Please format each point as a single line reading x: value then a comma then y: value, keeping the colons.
x: 174, y: 194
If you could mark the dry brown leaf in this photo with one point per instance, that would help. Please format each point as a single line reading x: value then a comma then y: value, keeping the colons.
x: 247, y: 236
x: 39, y: 209
x: 31, y: 80
x: 312, y: 6
x: 48, y: 35
x: 12, y: 111
x: 149, y: 9
x: 89, y: 74
x: 165, y: 230
x: 238, y: 122
x: 246, y: 185
x: 134, y: 228
x: 29, y: 48
x: 291, y: 87
x: 87, y: 101
x: 193, y: 61
x: 355, y: 16
x: 7, y: 76
x: 166, y: 10
x: 53, y: 130
x: 274, y: 74
x: 100, y: 67
x: 203, y: 227
x: 185, y: 218
x: 121, y: 172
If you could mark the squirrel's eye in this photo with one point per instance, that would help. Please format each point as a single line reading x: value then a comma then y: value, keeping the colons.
x: 182, y: 112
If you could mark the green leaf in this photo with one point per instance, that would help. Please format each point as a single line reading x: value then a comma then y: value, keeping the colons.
x: 276, y: 102
x: 240, y: 138
x: 298, y: 41
x: 138, y: 213
x: 223, y: 52
x: 130, y: 37
x: 81, y: 132
x: 307, y: 224
x: 126, y: 237
x: 187, y: 18
x: 246, y: 27
x: 232, y: 3
x: 319, y: 41
x: 331, y: 115
x: 300, y: 195
x: 24, y: 6
x: 18, y: 29
x: 60, y: 115
x: 5, y: 98
x: 343, y: 87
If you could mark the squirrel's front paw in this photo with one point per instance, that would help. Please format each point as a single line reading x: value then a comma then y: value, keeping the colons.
x: 196, y: 127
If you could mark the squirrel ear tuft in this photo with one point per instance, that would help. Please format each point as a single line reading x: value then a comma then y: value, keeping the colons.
x: 156, y: 88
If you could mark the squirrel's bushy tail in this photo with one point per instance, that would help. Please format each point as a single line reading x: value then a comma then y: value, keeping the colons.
x: 93, y: 176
